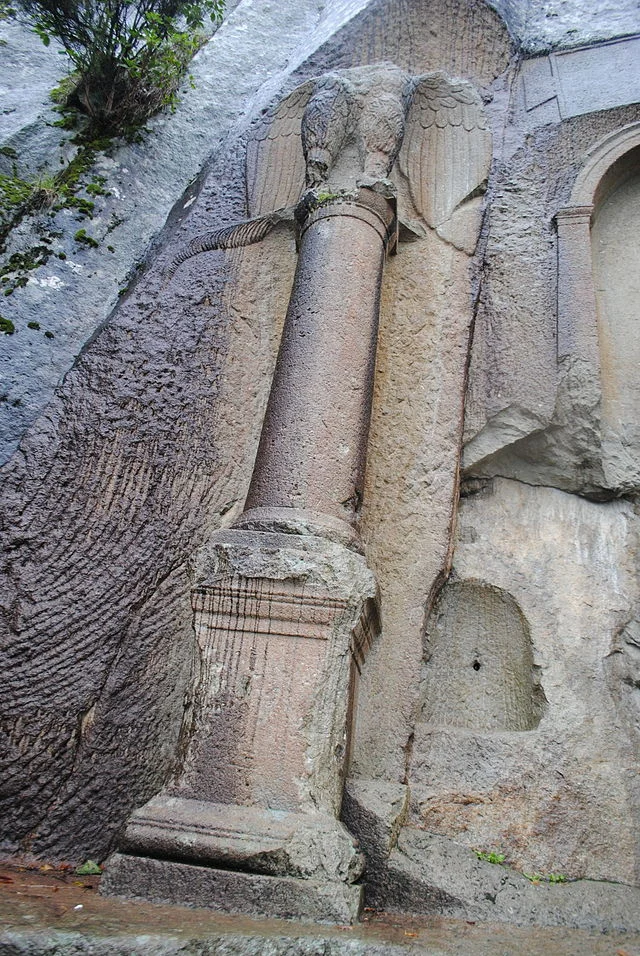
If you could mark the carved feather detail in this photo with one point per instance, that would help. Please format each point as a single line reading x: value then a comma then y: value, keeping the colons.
x: 326, y: 125
x: 446, y: 153
x: 230, y: 237
x: 275, y: 162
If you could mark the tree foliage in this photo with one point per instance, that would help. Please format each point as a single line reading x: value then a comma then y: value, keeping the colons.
x: 128, y: 57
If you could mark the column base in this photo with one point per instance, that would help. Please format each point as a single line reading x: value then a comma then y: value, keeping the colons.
x: 238, y: 860
x: 250, y: 823
x: 300, y: 521
x: 230, y: 891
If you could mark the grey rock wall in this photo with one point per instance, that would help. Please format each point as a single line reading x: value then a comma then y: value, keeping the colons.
x: 142, y: 417
x: 29, y: 71
x: 560, y: 796
x: 236, y: 74
x: 551, y: 24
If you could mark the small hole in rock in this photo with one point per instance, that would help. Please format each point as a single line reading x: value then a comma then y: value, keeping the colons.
x: 476, y: 665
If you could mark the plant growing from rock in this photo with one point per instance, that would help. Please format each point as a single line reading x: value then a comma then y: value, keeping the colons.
x: 489, y: 856
x: 128, y: 57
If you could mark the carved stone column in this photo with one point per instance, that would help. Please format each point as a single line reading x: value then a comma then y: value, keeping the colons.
x: 284, y: 610
x: 309, y: 470
x: 577, y: 323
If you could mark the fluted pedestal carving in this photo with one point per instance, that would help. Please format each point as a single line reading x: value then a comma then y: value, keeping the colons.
x: 283, y: 624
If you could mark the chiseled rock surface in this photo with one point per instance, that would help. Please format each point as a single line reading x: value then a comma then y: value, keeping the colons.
x: 563, y: 796
x: 146, y: 451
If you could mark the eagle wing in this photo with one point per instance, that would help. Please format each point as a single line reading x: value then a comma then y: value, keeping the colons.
x: 275, y: 161
x: 446, y: 152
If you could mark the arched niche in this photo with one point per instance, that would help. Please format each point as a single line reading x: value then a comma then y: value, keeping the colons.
x: 599, y: 291
x: 480, y: 674
x: 606, y: 167
x: 615, y: 248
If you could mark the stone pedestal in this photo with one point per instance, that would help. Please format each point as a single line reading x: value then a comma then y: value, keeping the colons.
x: 250, y: 824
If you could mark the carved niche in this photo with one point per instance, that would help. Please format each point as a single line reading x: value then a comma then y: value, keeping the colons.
x: 598, y: 261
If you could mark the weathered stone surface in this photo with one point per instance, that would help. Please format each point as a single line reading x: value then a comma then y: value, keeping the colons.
x: 615, y: 257
x: 375, y: 811
x: 480, y: 673
x: 527, y: 416
x: 29, y: 71
x: 562, y: 797
x: 232, y: 891
x: 35, y: 364
x: 411, y: 482
x: 277, y: 651
x: 147, y: 450
x: 118, y: 484
x: 544, y: 24
x: 312, y: 451
x: 259, y: 788
x: 572, y: 82
x: 432, y: 874
x: 305, y: 558
x: 467, y: 40
x: 272, y: 842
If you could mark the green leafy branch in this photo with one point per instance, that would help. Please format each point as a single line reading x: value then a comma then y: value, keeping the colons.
x: 128, y: 58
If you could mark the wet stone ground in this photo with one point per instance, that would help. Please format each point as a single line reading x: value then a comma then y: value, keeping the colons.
x: 49, y: 912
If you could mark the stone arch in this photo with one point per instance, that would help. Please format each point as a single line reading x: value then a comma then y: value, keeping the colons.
x: 577, y: 307
x: 598, y: 292
x: 615, y: 248
x: 601, y: 160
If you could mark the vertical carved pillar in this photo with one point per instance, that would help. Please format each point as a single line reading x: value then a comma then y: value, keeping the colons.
x: 284, y: 610
x: 284, y: 604
x: 309, y: 470
x: 577, y: 324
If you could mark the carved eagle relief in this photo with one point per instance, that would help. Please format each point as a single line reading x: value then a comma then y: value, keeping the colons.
x: 360, y: 126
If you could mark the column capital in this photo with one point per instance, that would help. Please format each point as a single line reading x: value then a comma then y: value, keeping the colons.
x: 373, y: 203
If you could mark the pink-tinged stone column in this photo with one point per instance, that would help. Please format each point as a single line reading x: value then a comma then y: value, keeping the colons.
x: 309, y: 470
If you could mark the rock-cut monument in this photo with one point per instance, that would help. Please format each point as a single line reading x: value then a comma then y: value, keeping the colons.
x: 285, y: 607
x: 321, y: 561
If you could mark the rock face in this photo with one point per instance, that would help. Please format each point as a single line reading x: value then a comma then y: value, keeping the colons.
x: 559, y: 794
x: 145, y: 183
x: 498, y: 710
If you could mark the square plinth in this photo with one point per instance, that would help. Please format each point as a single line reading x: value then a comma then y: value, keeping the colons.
x: 231, y: 891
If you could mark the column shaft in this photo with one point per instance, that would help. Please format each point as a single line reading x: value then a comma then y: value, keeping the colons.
x: 312, y: 452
